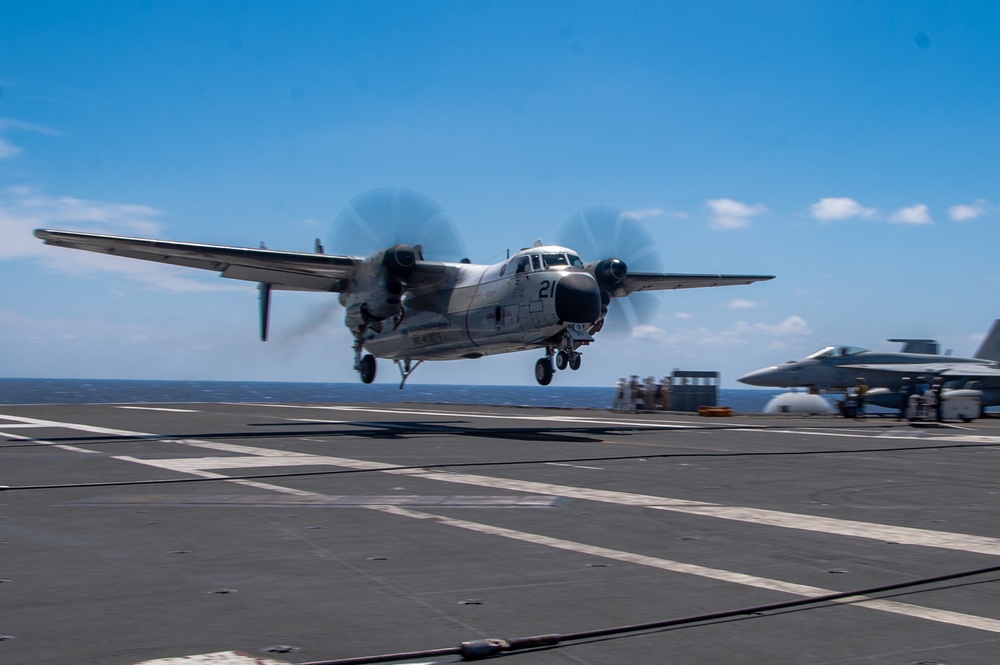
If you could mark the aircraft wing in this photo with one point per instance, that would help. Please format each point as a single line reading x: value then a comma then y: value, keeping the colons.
x: 954, y: 370
x: 283, y: 270
x: 648, y: 281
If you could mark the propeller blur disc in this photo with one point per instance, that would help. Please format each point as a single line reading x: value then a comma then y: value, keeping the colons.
x: 603, y: 232
x: 380, y: 218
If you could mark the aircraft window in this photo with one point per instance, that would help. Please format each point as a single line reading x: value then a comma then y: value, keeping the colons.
x: 574, y: 260
x: 536, y: 262
x: 836, y: 352
x: 522, y: 264
x: 554, y: 260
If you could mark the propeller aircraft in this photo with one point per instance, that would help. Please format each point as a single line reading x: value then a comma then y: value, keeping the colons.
x: 408, y: 306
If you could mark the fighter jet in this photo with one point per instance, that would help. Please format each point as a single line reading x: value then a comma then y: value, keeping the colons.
x: 837, y: 368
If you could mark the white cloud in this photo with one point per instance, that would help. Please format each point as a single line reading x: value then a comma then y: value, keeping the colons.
x: 915, y: 214
x: 8, y: 149
x: 835, y: 208
x: 651, y: 213
x: 963, y: 212
x: 730, y: 214
x: 738, y: 334
x: 683, y: 316
x: 793, y: 325
x: 24, y: 209
x: 740, y: 303
x: 644, y: 213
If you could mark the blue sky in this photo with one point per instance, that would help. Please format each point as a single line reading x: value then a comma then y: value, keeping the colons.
x: 850, y: 148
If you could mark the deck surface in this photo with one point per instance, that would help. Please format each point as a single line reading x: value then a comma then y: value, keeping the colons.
x: 397, y: 528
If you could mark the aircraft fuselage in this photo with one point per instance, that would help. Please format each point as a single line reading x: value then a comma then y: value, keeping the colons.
x: 486, y: 310
x: 841, y: 373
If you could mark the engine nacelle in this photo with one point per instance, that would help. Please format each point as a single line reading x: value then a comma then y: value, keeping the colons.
x: 609, y: 273
x: 399, y: 259
x: 377, y: 289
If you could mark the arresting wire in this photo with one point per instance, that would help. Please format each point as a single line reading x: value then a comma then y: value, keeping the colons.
x: 486, y: 648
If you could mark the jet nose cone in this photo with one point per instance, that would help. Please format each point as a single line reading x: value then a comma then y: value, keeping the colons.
x: 761, y: 377
x: 578, y: 298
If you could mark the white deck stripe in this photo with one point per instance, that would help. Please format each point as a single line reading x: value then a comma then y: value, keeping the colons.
x: 158, y: 408
x: 896, y: 534
x: 942, y: 616
x: 759, y: 516
x: 48, y: 443
x: 787, y: 520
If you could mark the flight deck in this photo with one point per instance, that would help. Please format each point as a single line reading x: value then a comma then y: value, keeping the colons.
x: 310, y: 533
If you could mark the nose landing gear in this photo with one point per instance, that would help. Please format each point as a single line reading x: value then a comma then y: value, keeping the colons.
x: 564, y: 357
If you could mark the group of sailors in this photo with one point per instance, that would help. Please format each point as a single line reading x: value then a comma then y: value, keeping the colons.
x: 633, y: 394
x: 924, y: 397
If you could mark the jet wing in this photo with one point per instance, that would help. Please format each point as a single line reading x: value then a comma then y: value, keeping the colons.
x: 283, y: 270
x: 648, y: 281
x: 954, y: 370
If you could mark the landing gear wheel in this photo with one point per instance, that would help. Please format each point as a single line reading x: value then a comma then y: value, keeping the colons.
x: 543, y: 371
x: 562, y: 359
x: 574, y: 361
x: 368, y: 368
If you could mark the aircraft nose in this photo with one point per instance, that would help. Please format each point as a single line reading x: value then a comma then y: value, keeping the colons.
x: 578, y: 298
x: 766, y: 377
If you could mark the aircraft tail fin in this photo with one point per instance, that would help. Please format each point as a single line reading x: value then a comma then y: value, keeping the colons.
x: 990, y: 348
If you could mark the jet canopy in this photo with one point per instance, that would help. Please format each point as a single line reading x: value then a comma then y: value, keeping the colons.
x: 836, y: 352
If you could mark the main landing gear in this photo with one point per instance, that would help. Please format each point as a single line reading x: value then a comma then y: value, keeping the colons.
x: 364, y: 365
x: 543, y: 371
x: 563, y: 358
x: 368, y: 368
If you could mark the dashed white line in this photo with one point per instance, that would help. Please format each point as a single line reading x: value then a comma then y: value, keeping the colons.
x: 158, y: 408
x: 942, y: 616
x: 255, y: 457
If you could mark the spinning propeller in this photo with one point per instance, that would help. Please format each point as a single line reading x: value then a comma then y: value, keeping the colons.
x: 603, y: 232
x: 380, y: 218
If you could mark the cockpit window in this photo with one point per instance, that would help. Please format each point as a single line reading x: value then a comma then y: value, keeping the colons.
x: 574, y: 260
x: 536, y: 263
x: 552, y: 260
x: 836, y: 352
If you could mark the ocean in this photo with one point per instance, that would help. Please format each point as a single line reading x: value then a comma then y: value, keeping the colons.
x: 105, y: 391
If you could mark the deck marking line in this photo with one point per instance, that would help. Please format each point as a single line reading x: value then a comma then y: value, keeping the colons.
x: 944, y: 616
x: 49, y: 444
x: 653, y: 424
x: 209, y: 474
x: 903, y: 535
x: 931, y: 614
x: 157, y: 408
x: 576, y: 466
x: 758, y: 516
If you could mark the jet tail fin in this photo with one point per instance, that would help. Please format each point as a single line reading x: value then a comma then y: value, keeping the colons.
x: 990, y: 348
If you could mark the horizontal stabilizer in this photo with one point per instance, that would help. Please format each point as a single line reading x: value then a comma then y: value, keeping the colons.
x: 928, y: 346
